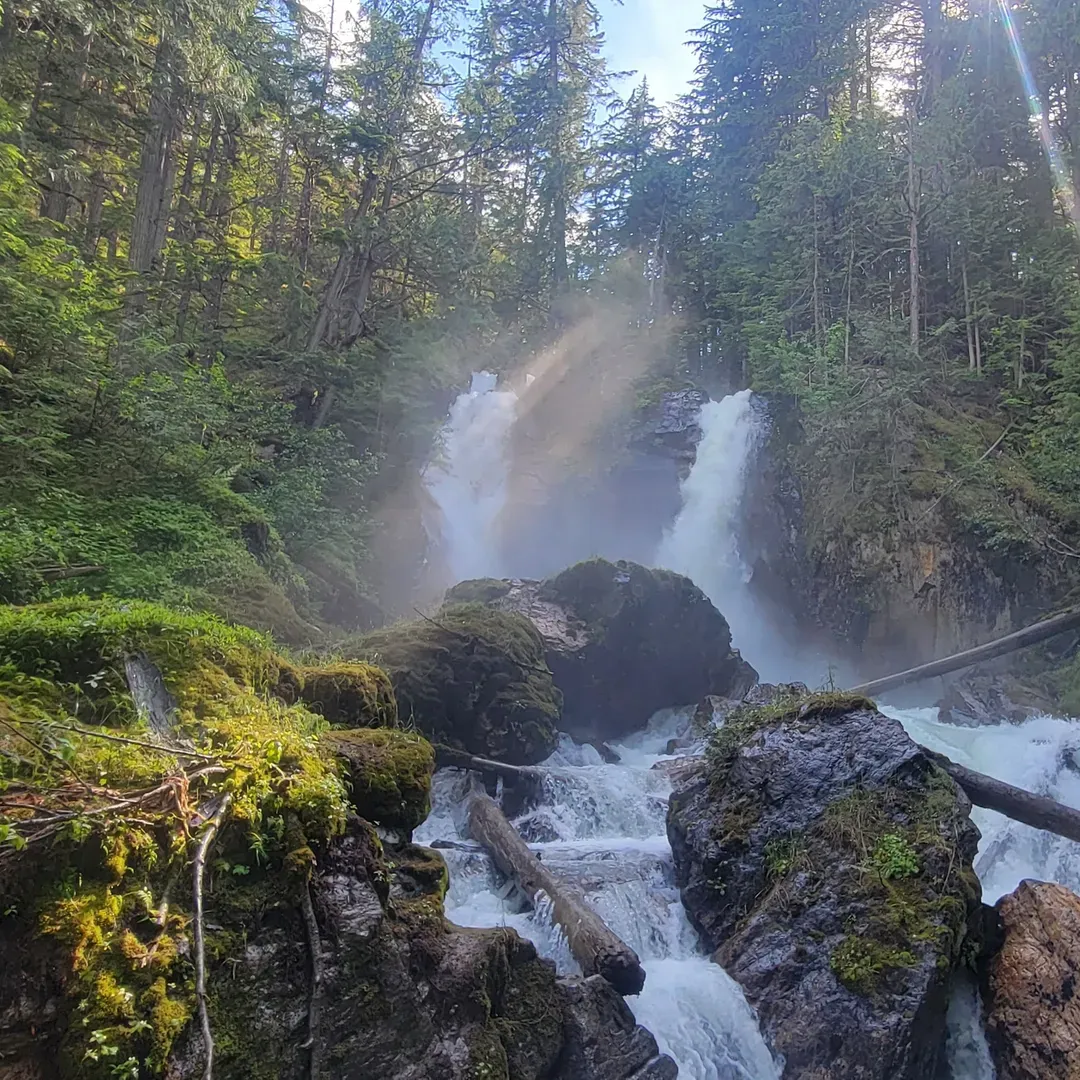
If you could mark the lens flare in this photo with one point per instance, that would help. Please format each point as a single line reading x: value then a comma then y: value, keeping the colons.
x: 1060, y: 174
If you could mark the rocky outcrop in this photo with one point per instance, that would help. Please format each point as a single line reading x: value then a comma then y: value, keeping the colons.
x: 1033, y: 1009
x: 827, y: 862
x: 473, y: 678
x: 671, y: 425
x: 406, y: 995
x: 976, y: 699
x: 622, y: 642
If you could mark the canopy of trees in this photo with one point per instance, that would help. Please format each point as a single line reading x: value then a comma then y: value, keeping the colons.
x: 246, y: 253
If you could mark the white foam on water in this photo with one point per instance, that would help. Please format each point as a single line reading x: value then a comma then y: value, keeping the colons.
x: 609, y: 823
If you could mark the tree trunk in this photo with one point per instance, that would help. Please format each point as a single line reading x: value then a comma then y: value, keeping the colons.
x: 972, y: 365
x: 1035, y: 810
x: 592, y: 943
x: 913, y: 239
x: 1020, y: 639
x: 157, y: 166
x: 560, y: 272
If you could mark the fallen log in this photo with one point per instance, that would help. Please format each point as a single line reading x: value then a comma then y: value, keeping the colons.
x: 595, y: 947
x: 1035, y: 810
x: 1020, y: 639
x: 448, y: 757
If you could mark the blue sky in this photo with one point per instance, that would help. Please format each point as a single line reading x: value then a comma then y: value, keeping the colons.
x: 650, y: 37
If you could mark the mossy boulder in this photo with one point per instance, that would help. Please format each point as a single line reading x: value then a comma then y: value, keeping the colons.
x: 389, y: 774
x: 623, y: 641
x: 123, y: 723
x: 473, y: 678
x: 346, y: 694
x: 828, y: 862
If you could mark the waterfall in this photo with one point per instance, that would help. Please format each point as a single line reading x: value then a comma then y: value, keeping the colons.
x: 702, y: 542
x: 468, y: 479
x: 603, y: 827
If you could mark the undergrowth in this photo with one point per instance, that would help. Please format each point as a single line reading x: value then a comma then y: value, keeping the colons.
x: 102, y: 812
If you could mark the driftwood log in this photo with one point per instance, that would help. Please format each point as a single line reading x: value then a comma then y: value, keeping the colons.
x: 447, y: 757
x: 1030, y: 635
x: 593, y: 944
x: 1035, y: 810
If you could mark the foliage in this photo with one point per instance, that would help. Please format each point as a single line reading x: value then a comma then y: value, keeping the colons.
x: 103, y: 811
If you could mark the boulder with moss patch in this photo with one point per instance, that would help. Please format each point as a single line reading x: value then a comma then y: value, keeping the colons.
x: 389, y: 774
x: 827, y: 861
x: 346, y: 694
x: 473, y: 678
x: 624, y: 641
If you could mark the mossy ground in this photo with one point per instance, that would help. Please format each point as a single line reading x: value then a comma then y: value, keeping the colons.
x: 101, y: 815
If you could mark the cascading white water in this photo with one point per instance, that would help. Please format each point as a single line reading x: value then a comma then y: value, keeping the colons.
x: 603, y: 827
x: 1039, y: 755
x: 468, y: 479
x: 702, y: 544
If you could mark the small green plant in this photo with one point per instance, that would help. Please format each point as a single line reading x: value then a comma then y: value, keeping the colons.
x: 894, y: 857
x: 859, y: 962
x: 782, y: 855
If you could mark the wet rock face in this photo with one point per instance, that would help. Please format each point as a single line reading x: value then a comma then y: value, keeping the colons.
x: 979, y: 699
x: 672, y: 425
x: 827, y: 862
x: 406, y: 995
x: 1033, y: 1009
x: 622, y: 642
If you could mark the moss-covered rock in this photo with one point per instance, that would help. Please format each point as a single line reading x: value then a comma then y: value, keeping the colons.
x: 111, y: 801
x: 389, y: 774
x: 827, y: 860
x: 623, y: 641
x: 473, y: 678
x: 347, y: 695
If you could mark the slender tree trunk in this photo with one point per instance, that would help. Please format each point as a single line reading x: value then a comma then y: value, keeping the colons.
x: 853, y: 49
x: 847, y: 309
x: 913, y: 238
x: 972, y: 364
x: 95, y: 212
x: 560, y: 270
x: 157, y: 166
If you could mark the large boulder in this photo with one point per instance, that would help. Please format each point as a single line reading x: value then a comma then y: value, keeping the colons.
x: 622, y: 641
x: 1033, y: 1009
x: 826, y: 861
x: 472, y: 678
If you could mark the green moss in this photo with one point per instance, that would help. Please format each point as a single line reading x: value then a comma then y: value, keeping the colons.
x: 349, y: 695
x: 107, y: 873
x: 860, y: 963
x: 421, y: 871
x: 473, y: 678
x: 477, y: 591
x: 389, y: 774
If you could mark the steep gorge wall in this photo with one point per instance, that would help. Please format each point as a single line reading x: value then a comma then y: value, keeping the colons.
x: 893, y: 581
